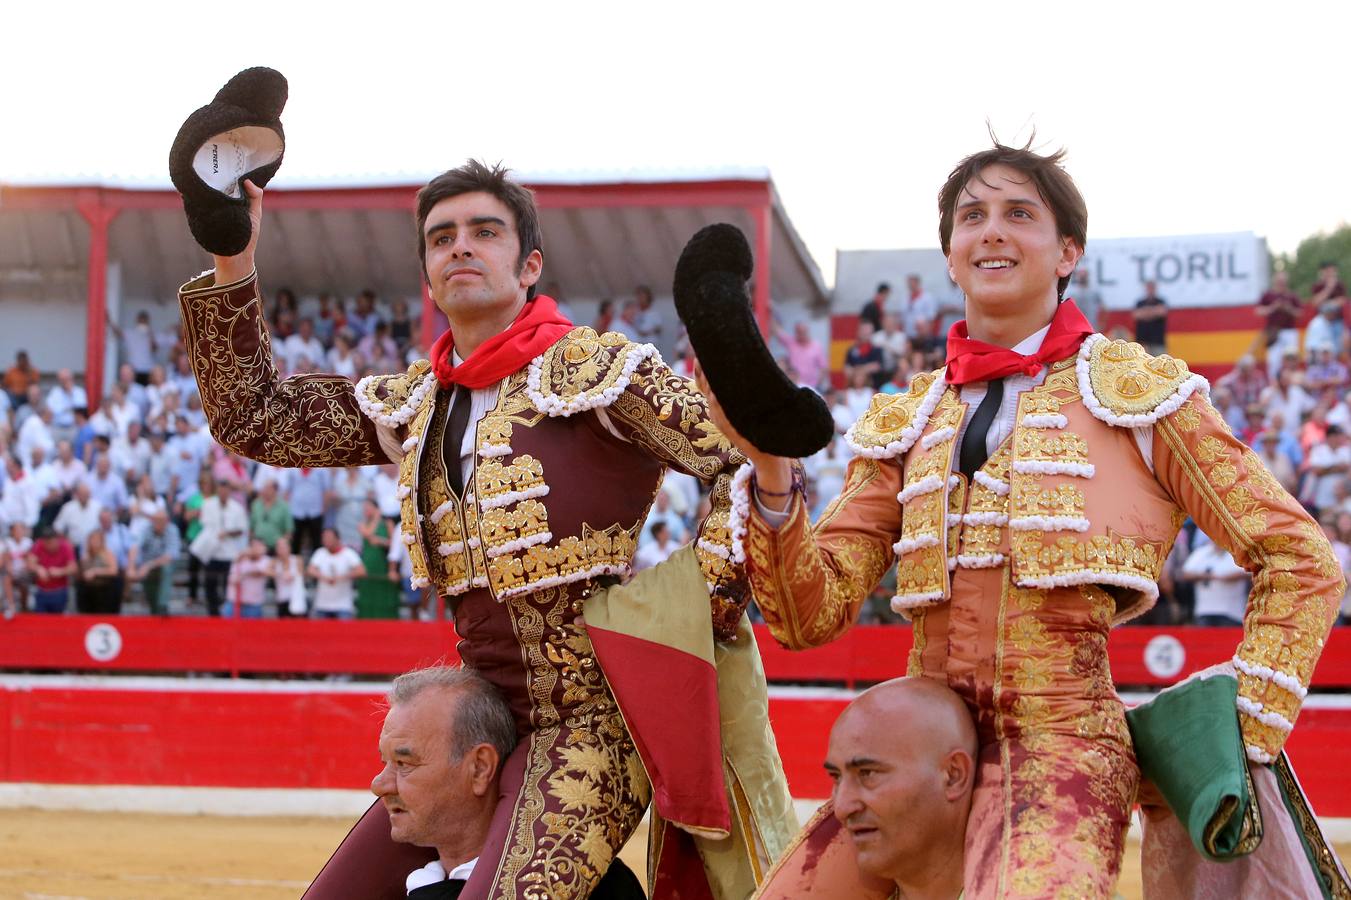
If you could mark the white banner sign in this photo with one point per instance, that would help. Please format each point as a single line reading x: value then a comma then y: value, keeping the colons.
x: 1189, y: 270
x: 1194, y: 270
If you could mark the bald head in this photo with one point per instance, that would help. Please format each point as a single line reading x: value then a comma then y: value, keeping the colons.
x: 905, y: 701
x: 903, y: 760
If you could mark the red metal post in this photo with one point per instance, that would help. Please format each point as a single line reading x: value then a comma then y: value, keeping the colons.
x: 90, y: 205
x: 763, y: 217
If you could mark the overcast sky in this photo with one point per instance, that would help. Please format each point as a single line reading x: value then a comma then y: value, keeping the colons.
x: 1179, y: 117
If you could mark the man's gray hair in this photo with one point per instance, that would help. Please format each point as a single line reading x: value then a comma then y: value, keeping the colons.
x: 481, y: 715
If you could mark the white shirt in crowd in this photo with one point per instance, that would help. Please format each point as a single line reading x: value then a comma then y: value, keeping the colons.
x: 19, y: 502
x: 1221, y: 590
x: 34, y: 433
x: 920, y: 313
x: 302, y: 355
x: 139, y: 343
x: 63, y: 404
x: 651, y: 553
x: 78, y: 520
x: 225, y: 530
x: 1325, y: 486
x: 345, y: 565
x: 16, y: 549
x: 69, y: 473
x: 109, y: 490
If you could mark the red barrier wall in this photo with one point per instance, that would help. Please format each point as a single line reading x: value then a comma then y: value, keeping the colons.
x: 63, y: 734
x: 865, y: 654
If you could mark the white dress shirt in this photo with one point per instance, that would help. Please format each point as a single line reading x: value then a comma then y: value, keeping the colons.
x: 433, y: 872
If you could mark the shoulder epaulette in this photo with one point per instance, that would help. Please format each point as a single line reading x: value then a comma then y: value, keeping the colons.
x: 393, y: 399
x: 894, y: 422
x: 1125, y: 386
x: 584, y: 371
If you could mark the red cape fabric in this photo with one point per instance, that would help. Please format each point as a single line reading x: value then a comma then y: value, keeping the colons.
x: 538, y: 327
x: 972, y: 360
x: 678, y: 737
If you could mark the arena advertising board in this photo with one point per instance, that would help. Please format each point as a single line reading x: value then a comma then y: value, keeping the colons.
x: 1191, y: 271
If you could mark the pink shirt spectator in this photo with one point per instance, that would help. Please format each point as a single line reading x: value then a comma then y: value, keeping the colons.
x: 248, y: 579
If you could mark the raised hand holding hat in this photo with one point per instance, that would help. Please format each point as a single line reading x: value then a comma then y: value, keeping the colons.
x: 236, y: 137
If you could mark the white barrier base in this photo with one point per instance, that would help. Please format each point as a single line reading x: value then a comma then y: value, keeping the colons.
x: 204, y: 801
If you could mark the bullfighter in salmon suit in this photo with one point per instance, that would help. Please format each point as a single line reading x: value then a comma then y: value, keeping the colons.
x: 529, y: 453
x: 1028, y: 494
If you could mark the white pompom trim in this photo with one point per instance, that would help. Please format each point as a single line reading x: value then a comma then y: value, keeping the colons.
x: 994, y: 484
x: 910, y: 544
x: 447, y: 549
x: 740, y: 493
x: 440, y: 512
x: 1266, y: 673
x: 715, y: 549
x: 1044, y: 420
x: 1048, y: 467
x: 1092, y: 576
x: 981, y: 560
x: 985, y: 518
x: 488, y: 451
x: 378, y: 412
x: 403, y: 491
x: 926, y: 485
x: 409, y: 539
x: 511, y: 497
x: 930, y: 440
x: 1271, y: 719
x: 410, y: 443
x: 902, y: 602
x: 911, y: 432
x: 1258, y: 755
x: 1048, y: 523
x: 556, y: 580
x: 417, y: 582
x: 518, y: 544
x: 554, y: 405
x: 1165, y: 408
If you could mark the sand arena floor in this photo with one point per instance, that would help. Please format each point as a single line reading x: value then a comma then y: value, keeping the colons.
x: 58, y: 855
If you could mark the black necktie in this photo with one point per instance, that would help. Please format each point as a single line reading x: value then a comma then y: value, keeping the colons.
x: 459, y: 421
x: 438, y: 890
x: 974, y: 452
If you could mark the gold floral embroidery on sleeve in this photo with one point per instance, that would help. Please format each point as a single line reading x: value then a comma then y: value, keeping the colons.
x: 1297, y: 582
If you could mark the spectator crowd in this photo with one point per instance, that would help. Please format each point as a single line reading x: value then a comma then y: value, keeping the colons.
x: 1290, y: 400
x: 137, y: 504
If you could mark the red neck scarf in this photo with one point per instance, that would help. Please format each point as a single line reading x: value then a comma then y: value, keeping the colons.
x: 971, y: 360
x: 536, y: 329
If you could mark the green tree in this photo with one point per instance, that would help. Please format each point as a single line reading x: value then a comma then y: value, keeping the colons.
x: 1312, y: 252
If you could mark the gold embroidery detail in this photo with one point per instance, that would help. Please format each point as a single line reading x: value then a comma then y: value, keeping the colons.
x: 1102, y: 553
x: 1128, y: 381
x: 1061, y: 500
x: 890, y: 414
x: 1055, y: 446
x: 583, y: 789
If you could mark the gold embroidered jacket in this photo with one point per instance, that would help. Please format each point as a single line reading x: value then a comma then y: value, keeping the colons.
x: 1067, y: 500
x: 533, y: 515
